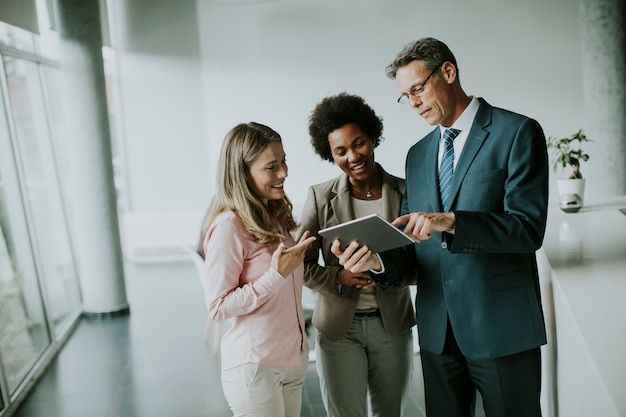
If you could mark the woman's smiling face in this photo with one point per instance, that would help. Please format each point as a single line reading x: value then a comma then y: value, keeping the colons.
x: 268, y: 172
x: 353, y: 152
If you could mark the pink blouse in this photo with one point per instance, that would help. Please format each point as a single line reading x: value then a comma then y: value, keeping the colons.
x: 264, y: 307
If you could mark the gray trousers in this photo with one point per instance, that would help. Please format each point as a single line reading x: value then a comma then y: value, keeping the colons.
x: 367, y: 360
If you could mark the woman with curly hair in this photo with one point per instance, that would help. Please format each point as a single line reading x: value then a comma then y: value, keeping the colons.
x: 364, y: 343
x: 254, y: 274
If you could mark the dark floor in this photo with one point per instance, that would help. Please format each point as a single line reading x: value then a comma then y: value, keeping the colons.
x: 153, y: 362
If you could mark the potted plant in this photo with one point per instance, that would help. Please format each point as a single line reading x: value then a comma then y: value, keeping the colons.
x: 566, y: 153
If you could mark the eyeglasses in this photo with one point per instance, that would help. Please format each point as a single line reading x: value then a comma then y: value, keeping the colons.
x: 418, y: 89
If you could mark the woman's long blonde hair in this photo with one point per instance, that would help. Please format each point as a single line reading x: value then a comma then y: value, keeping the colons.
x: 242, y: 146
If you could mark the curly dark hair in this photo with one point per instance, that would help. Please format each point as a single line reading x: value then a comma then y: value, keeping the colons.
x: 335, y: 111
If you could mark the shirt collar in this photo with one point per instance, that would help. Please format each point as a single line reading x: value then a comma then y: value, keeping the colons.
x: 466, y: 119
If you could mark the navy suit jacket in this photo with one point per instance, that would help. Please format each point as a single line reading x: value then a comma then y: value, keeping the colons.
x: 484, y: 276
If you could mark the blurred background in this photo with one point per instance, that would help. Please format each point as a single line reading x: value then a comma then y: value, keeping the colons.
x: 176, y: 75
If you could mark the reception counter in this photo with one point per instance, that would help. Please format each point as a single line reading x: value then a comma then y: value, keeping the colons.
x: 583, y: 276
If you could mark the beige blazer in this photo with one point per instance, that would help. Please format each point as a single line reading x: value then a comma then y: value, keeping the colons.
x: 329, y: 204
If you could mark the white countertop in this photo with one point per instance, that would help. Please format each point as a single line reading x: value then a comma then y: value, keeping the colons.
x: 587, y: 255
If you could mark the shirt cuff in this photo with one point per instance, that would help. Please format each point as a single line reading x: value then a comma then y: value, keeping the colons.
x: 382, y: 265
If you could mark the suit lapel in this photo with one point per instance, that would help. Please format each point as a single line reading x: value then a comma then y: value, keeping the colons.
x: 433, y: 180
x: 474, y: 142
x: 391, y: 202
x: 341, y: 204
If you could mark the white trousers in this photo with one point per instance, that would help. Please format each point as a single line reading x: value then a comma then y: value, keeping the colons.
x: 254, y: 390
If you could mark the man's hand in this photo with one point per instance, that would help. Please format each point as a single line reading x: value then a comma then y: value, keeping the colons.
x: 420, y: 226
x: 355, y: 258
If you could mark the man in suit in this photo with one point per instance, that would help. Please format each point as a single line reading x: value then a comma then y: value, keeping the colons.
x: 478, y: 305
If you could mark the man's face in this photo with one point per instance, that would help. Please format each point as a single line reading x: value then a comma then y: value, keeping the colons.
x: 431, y: 97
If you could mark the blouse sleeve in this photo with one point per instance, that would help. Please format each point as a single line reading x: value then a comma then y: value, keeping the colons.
x: 227, y: 295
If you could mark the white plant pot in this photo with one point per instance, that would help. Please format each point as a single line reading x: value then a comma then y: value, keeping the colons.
x: 572, y: 186
x: 568, y: 187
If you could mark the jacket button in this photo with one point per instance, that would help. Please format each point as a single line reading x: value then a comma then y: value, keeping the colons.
x: 444, y: 245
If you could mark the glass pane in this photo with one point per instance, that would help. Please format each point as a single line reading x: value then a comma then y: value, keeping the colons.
x: 68, y: 301
x: 48, y: 38
x: 42, y: 187
x: 16, y: 37
x: 109, y: 58
x: 23, y: 330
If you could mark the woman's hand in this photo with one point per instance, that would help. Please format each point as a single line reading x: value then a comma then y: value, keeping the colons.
x: 359, y: 280
x: 285, y: 260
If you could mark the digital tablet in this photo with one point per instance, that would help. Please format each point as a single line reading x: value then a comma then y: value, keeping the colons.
x: 377, y: 233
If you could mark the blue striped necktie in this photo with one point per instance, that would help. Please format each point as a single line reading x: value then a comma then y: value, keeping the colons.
x: 447, y: 167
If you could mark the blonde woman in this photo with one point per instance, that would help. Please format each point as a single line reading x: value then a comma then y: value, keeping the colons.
x: 253, y: 276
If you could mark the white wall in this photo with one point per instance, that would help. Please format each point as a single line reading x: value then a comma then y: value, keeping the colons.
x: 164, y: 144
x: 273, y: 62
x: 161, y: 98
x: 191, y: 70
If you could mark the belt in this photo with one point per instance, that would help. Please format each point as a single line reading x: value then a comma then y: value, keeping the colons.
x: 367, y: 313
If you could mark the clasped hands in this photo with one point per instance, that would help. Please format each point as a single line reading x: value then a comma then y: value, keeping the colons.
x: 358, y: 259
